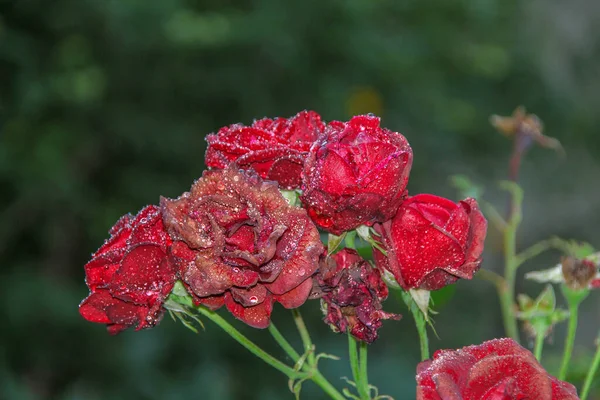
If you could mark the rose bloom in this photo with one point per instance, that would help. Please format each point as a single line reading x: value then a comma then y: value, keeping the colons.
x: 351, y: 293
x: 130, y: 275
x: 274, y: 148
x: 238, y: 243
x: 432, y: 241
x: 499, y: 369
x: 355, y: 174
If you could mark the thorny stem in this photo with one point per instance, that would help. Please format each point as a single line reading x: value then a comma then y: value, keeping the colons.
x: 585, y: 391
x: 315, y: 374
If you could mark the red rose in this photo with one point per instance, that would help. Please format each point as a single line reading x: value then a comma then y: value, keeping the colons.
x: 238, y: 242
x: 432, y: 241
x: 130, y: 275
x: 351, y: 292
x: 274, y: 148
x: 355, y: 174
x: 499, y: 369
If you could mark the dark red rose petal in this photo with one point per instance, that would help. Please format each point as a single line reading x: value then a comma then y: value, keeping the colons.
x: 258, y: 316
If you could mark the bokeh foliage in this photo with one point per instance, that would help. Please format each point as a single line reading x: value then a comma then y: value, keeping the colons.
x: 104, y: 105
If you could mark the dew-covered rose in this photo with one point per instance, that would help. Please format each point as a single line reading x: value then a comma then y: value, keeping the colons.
x: 351, y: 293
x: 274, y: 148
x: 432, y: 241
x: 238, y: 243
x: 130, y: 275
x: 355, y: 174
x: 499, y: 369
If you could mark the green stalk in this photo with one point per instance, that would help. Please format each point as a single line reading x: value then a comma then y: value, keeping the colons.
x: 358, y: 364
x: 421, y: 325
x: 569, y: 342
x: 507, y: 295
x: 585, y: 391
x: 354, y: 362
x: 244, y: 341
x: 364, y: 378
x: 315, y: 374
x: 511, y: 264
x: 574, y: 298
x: 539, y: 345
x: 283, y: 343
x: 308, y: 346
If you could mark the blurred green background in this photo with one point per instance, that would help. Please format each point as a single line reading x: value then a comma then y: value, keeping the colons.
x: 104, y: 105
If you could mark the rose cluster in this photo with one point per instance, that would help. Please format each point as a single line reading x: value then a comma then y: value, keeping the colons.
x: 234, y: 240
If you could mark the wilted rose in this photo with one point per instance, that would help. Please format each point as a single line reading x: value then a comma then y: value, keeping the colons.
x: 130, y: 275
x: 351, y: 292
x: 432, y: 241
x: 499, y: 369
x: 355, y: 174
x: 238, y: 242
x: 274, y: 148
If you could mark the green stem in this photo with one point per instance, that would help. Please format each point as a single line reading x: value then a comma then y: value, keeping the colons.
x: 244, y: 341
x: 354, y: 362
x: 539, y: 247
x: 539, y: 345
x: 364, y: 378
x: 327, y: 387
x: 283, y: 343
x: 569, y: 341
x: 308, y: 346
x: 358, y: 364
x: 315, y: 374
x: 507, y: 295
x: 585, y: 391
x: 421, y: 325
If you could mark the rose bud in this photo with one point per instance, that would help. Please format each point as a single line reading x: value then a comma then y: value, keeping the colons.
x: 432, y: 241
x: 274, y: 148
x: 355, y: 174
x: 351, y: 293
x: 238, y: 243
x: 499, y: 369
x: 130, y: 276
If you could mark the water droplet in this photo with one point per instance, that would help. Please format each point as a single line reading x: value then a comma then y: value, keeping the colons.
x: 301, y: 272
x: 253, y: 299
x: 143, y: 220
x: 236, y: 270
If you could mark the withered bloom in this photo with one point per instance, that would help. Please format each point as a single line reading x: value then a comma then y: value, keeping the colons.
x: 578, y: 273
x: 525, y: 130
x: 351, y: 292
x: 237, y: 242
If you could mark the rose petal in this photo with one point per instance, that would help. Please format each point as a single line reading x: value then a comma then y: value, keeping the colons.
x: 295, y: 297
x: 257, y: 317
